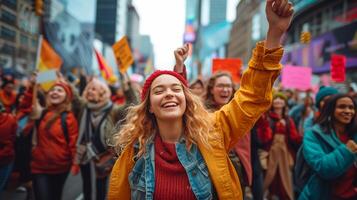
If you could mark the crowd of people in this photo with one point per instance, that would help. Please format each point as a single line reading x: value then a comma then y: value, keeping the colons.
x: 171, y: 139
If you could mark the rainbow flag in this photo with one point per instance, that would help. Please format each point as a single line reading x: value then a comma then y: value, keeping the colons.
x: 105, y: 70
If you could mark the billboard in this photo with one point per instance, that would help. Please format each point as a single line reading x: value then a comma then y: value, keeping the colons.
x: 317, y: 54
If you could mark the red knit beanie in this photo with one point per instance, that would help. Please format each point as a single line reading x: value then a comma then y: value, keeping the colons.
x: 66, y: 88
x: 156, y: 74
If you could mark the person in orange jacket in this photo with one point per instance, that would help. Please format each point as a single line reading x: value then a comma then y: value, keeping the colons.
x: 53, y: 142
x: 171, y: 148
x: 8, y: 126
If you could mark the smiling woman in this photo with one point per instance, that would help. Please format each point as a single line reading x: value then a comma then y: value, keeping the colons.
x: 171, y: 148
x: 53, y: 141
x: 330, y: 149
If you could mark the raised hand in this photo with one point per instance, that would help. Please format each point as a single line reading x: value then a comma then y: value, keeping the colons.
x: 33, y: 78
x: 352, y: 146
x: 279, y: 14
x: 180, y: 57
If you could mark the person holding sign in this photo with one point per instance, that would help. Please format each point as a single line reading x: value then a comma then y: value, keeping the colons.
x: 53, y: 141
x: 172, y: 148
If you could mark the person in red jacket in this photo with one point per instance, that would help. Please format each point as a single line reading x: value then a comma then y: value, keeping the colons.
x: 8, y: 94
x: 54, y: 143
x: 8, y: 128
x: 278, y: 134
x: 22, y: 161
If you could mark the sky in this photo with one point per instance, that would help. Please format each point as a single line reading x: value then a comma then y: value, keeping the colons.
x: 83, y: 10
x: 162, y: 20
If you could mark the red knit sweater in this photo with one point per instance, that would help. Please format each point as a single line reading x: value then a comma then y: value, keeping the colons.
x: 171, y: 181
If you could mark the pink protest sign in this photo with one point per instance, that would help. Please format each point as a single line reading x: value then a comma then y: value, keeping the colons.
x: 296, y: 77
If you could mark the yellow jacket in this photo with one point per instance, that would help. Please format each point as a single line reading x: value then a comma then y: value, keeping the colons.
x: 231, y: 122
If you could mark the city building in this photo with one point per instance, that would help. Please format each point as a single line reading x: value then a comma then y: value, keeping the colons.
x: 207, y: 29
x: 107, y: 20
x: 247, y: 29
x: 115, y: 19
x: 19, y: 29
x: 333, y: 27
x: 217, y: 11
x: 146, y: 61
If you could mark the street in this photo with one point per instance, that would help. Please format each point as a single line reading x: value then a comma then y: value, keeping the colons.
x: 72, y: 190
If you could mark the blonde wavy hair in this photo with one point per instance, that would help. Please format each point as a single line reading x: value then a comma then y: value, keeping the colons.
x: 141, y: 124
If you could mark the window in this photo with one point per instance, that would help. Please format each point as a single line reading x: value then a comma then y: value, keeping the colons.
x: 23, y: 40
x: 8, y: 34
x: 256, y: 27
x: 8, y: 18
x: 34, y: 43
x: 10, y: 3
x: 8, y: 49
x: 337, y: 10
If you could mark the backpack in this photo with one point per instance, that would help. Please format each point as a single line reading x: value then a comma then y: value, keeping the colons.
x: 302, y: 171
x: 63, y: 124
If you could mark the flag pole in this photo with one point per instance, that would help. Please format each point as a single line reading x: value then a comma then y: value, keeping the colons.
x: 40, y: 38
x: 34, y: 92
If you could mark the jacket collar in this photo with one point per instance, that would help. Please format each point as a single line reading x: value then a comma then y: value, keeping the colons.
x: 331, y: 139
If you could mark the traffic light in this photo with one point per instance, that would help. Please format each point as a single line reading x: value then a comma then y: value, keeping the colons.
x: 39, y: 7
x: 305, y: 37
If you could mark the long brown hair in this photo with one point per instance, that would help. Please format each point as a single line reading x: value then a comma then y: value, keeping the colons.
x: 141, y: 124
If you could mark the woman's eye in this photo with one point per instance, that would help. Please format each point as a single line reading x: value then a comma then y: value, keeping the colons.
x: 158, y: 92
x: 177, y: 89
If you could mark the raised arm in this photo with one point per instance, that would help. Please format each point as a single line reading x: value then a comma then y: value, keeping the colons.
x: 255, y: 94
x: 180, y: 57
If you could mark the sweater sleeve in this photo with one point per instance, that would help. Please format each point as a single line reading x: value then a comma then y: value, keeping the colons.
x: 327, y: 165
x: 253, y: 97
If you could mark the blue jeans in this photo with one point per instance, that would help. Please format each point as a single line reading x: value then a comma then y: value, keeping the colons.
x: 49, y: 186
x: 5, y: 172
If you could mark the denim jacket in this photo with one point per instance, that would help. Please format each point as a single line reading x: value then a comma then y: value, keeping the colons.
x: 142, y: 177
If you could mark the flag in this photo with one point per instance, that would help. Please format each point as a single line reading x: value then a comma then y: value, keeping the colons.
x: 105, y: 70
x: 48, y: 58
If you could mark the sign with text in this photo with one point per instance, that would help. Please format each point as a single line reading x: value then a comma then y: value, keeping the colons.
x: 231, y: 65
x: 296, y: 77
x: 338, y: 68
x: 123, y: 54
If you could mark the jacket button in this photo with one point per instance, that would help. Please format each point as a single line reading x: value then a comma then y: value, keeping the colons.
x: 194, y: 173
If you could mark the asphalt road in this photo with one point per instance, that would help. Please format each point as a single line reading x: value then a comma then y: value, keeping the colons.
x: 72, y: 190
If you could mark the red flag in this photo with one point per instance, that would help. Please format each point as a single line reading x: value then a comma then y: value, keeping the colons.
x: 105, y: 70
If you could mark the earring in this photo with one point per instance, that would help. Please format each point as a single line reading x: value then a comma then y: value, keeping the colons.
x: 329, y: 119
